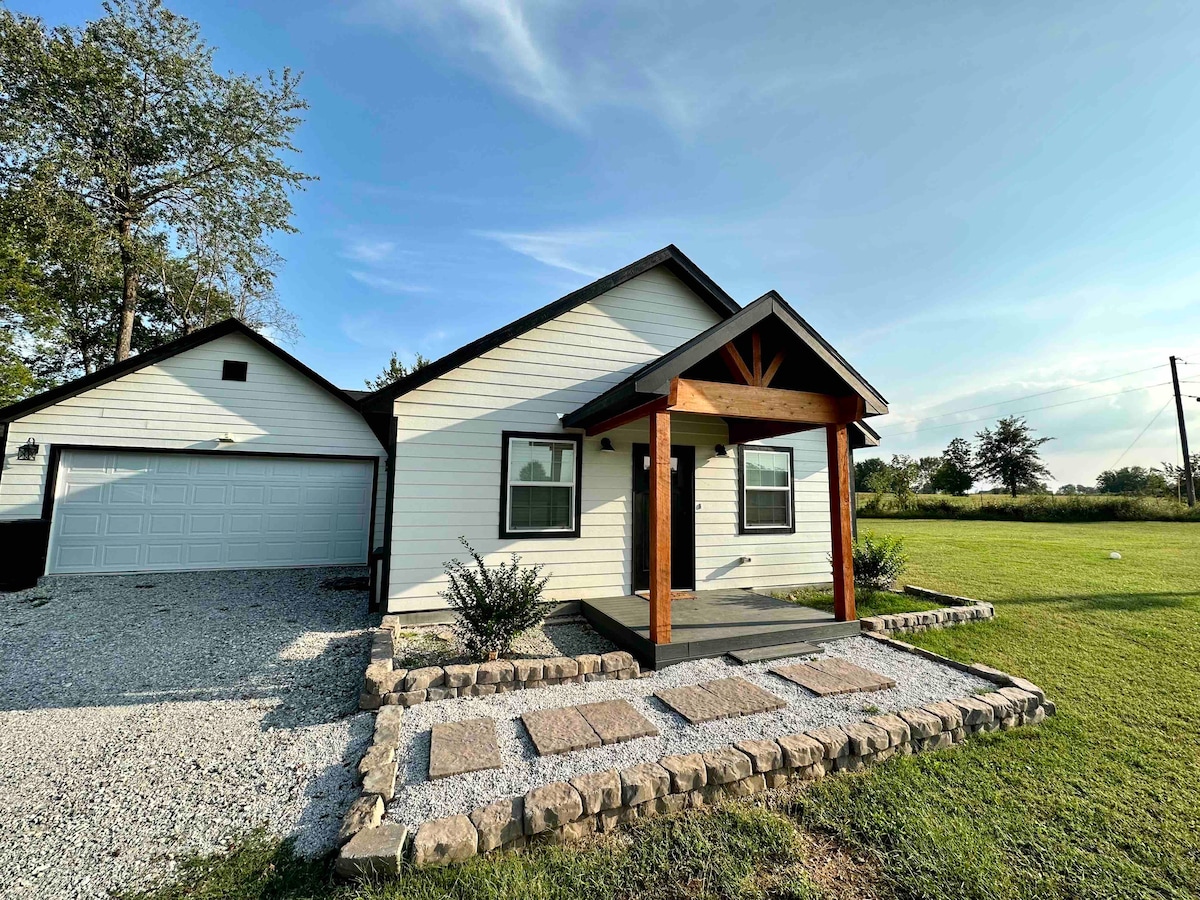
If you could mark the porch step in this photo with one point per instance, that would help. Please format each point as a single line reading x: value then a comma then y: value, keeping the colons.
x: 778, y: 651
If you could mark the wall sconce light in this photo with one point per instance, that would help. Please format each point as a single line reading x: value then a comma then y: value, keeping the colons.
x: 226, y: 438
x: 28, y: 450
x: 720, y: 450
x: 606, y: 446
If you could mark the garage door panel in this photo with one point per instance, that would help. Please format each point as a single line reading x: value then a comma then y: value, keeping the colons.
x: 123, y: 512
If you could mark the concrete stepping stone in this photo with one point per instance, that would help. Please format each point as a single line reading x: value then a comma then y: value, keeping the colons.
x: 744, y: 696
x: 863, y: 679
x: 559, y: 731
x: 696, y: 704
x: 616, y: 721
x: 827, y: 678
x: 456, y: 748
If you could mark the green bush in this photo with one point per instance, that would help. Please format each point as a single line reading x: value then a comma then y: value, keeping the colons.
x: 493, y: 605
x: 1029, y: 508
x: 879, y: 561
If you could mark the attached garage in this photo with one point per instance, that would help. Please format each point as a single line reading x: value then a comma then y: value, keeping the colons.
x: 217, y: 451
x: 132, y: 511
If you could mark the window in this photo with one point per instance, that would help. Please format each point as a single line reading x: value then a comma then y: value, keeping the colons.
x: 233, y: 370
x: 539, y: 494
x: 766, y: 500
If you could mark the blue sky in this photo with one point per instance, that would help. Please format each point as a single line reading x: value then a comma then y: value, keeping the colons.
x: 973, y: 201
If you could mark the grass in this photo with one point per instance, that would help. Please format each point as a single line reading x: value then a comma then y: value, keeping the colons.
x: 1028, y: 508
x: 1101, y: 801
x: 866, y: 603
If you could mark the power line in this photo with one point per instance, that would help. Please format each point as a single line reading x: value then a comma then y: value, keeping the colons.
x: 1043, y: 393
x: 1020, y: 411
x: 1141, y: 433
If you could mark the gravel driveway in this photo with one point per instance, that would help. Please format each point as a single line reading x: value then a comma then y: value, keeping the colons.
x: 145, y: 718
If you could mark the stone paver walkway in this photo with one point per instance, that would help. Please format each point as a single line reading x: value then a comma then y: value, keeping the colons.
x: 723, y: 698
x: 459, y: 747
x: 616, y: 721
x: 827, y: 677
x: 585, y: 727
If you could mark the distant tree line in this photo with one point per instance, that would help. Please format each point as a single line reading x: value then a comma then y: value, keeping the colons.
x: 1007, y: 454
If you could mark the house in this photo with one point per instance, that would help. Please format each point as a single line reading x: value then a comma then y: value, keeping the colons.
x: 643, y: 433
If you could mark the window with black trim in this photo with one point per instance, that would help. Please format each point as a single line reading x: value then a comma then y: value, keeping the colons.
x: 539, y: 495
x: 766, y: 502
x: 233, y: 370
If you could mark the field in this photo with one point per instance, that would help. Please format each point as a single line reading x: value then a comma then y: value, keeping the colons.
x: 1028, y: 508
x: 1101, y: 801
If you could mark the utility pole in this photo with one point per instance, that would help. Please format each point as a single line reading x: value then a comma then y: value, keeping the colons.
x: 1187, y: 460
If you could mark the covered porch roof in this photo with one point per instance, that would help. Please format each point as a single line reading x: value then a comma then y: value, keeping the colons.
x: 801, y: 381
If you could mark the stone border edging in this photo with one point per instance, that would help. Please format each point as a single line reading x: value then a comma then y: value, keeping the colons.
x: 958, y: 611
x: 385, y: 685
x: 601, y: 801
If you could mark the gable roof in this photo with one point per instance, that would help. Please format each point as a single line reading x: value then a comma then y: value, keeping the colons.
x: 158, y: 354
x: 654, y: 378
x: 671, y: 257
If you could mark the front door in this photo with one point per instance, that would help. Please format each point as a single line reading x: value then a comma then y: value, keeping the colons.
x: 683, y: 519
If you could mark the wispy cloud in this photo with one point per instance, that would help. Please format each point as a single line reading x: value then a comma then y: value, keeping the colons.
x: 386, y: 283
x: 560, y: 249
x: 369, y: 251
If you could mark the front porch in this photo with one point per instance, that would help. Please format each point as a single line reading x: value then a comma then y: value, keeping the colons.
x: 708, y: 624
x: 764, y: 373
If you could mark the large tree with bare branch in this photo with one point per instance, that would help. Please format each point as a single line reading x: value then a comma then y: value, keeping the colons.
x: 181, y: 169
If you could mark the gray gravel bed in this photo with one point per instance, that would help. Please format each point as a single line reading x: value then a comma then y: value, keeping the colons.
x: 918, y: 681
x: 141, y: 724
x: 436, y: 645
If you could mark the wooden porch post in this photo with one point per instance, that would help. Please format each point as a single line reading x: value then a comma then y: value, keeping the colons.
x: 660, y: 527
x: 837, y: 441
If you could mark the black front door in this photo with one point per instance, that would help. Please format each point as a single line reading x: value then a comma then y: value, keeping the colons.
x: 683, y: 518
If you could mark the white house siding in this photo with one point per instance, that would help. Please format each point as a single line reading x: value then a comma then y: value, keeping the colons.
x: 182, y: 403
x: 449, y: 444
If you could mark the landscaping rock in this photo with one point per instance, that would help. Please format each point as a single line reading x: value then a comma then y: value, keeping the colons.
x: 494, y: 671
x: 376, y: 672
x: 974, y: 711
x: 921, y: 722
x: 589, y: 663
x: 527, y: 669
x: 615, y: 661
x: 365, y: 812
x: 427, y: 677
x: 800, y: 750
x: 373, y: 852
x: 1021, y: 700
x: 766, y: 756
x: 551, y: 806
x: 367, y: 700
x: 644, y: 782
x: 949, y: 714
x: 459, y: 676
x: 499, y: 822
x: 376, y: 755
x: 445, y: 841
x: 745, y: 787
x: 381, y: 780
x: 896, y: 728
x: 407, y: 698
x: 866, y: 738
x: 598, y: 791
x: 835, y: 741
x: 688, y: 772
x: 726, y: 765
x: 560, y: 667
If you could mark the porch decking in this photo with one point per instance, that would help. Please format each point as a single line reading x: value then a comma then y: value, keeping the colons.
x: 711, y: 623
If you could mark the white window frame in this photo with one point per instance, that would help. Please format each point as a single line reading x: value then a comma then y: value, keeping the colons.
x: 744, y: 490
x: 507, y: 529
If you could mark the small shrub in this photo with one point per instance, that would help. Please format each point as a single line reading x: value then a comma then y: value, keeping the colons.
x: 878, y: 561
x: 493, y: 605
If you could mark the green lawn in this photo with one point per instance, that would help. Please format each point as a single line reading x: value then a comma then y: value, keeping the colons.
x: 867, y: 603
x: 1101, y: 801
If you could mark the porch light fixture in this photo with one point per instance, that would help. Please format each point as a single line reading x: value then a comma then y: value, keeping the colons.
x: 720, y: 450
x: 606, y: 446
x: 28, y: 450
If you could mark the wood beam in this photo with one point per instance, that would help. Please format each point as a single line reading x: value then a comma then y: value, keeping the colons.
x: 737, y: 365
x: 638, y: 412
x: 743, y: 431
x: 756, y: 358
x: 837, y: 442
x: 739, y: 401
x: 660, y: 527
x: 772, y: 369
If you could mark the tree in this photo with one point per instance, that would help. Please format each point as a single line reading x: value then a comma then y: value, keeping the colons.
x: 1131, y: 480
x: 395, y: 370
x: 864, y: 469
x: 927, y: 467
x: 956, y: 474
x: 1010, y: 455
x: 127, y: 119
x: 896, y: 477
x: 1174, y: 476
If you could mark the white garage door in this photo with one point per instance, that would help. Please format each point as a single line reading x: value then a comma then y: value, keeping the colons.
x: 132, y: 511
